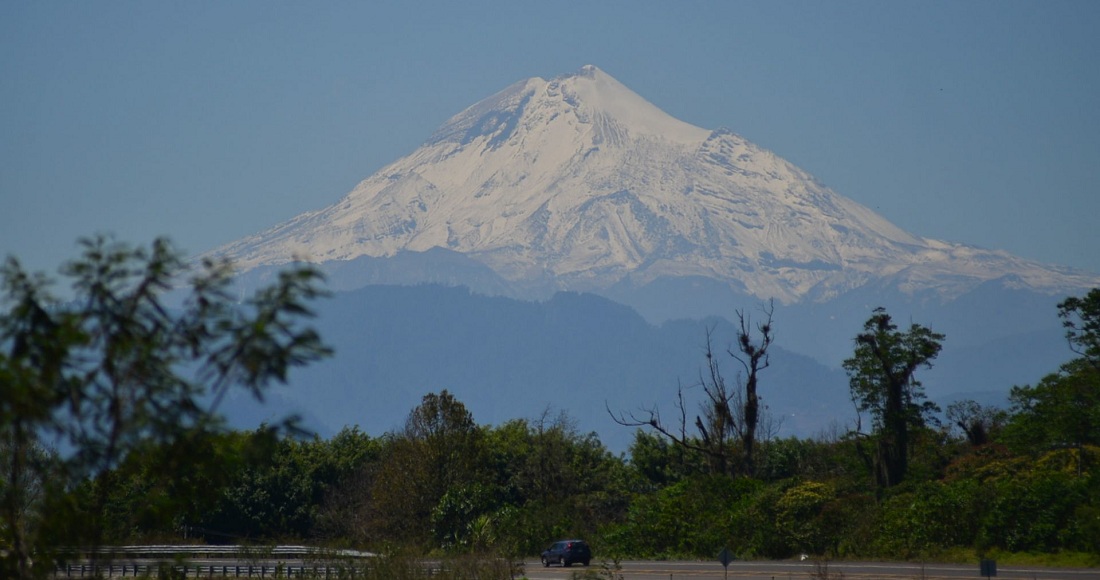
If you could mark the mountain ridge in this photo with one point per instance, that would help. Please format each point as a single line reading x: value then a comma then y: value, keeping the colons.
x: 583, y: 355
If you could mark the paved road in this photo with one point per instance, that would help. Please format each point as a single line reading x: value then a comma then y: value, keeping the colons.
x: 788, y: 570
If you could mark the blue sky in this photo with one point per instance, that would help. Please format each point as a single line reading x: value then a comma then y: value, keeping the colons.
x: 974, y: 122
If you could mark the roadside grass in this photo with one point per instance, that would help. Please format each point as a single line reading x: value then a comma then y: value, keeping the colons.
x: 1055, y: 560
x: 1045, y: 560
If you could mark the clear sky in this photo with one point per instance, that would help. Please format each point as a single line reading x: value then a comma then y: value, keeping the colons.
x: 969, y: 121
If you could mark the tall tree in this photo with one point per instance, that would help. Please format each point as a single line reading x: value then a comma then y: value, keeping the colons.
x: 114, y: 369
x: 439, y: 450
x: 882, y: 382
x: 753, y: 358
x: 1081, y: 319
x: 449, y: 439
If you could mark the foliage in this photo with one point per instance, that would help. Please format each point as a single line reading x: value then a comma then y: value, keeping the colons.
x: 696, y: 516
x: 660, y: 462
x: 817, y: 459
x: 882, y: 370
x: 558, y: 483
x: 114, y: 371
x: 280, y: 485
x: 1081, y: 319
x: 1062, y: 410
x: 111, y: 433
x: 439, y: 450
x: 980, y: 424
x: 1037, y: 511
x: 929, y: 518
x: 140, y: 503
x: 798, y: 515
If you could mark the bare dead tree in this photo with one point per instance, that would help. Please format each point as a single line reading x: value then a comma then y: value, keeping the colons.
x: 719, y: 422
x: 729, y: 420
x: 713, y: 425
x: 753, y: 358
x: 976, y: 421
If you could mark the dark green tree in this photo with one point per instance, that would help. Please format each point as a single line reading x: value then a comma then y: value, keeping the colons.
x: 114, y: 369
x: 660, y: 462
x: 282, y: 485
x: 1062, y: 411
x: 1081, y: 319
x: 882, y: 381
x: 553, y: 481
x: 439, y: 450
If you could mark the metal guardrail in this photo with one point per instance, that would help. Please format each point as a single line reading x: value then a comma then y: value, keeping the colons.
x: 125, y: 561
x: 259, y: 562
x: 200, y: 571
x: 230, y: 551
x: 178, y: 561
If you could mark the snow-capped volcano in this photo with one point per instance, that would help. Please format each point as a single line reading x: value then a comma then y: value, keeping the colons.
x: 579, y: 183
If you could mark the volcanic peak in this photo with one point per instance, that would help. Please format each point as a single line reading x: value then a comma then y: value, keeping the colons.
x: 580, y: 183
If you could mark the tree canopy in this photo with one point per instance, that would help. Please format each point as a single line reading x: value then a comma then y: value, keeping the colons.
x: 882, y: 381
x: 114, y: 370
x: 111, y: 432
x: 1081, y: 319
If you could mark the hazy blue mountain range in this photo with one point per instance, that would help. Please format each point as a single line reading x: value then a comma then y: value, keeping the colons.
x: 578, y: 184
x: 507, y: 359
x: 580, y: 353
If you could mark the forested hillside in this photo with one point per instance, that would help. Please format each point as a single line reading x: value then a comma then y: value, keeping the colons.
x: 1023, y: 480
x: 106, y: 442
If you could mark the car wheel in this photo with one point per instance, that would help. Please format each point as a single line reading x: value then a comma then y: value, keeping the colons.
x: 565, y: 563
x: 585, y: 562
x: 545, y: 562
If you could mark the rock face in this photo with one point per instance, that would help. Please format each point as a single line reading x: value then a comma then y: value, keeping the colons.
x: 578, y: 183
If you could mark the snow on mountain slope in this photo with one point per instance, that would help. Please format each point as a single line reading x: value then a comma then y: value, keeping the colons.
x: 579, y: 183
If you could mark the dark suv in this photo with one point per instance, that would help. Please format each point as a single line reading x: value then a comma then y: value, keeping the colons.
x: 567, y: 553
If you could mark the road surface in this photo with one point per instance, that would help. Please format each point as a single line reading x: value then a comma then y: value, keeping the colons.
x: 790, y: 570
